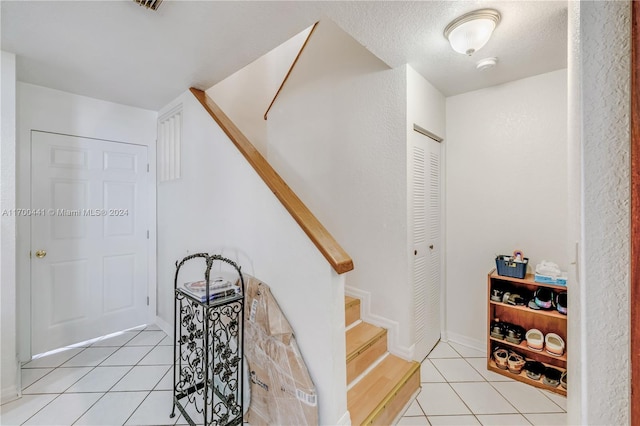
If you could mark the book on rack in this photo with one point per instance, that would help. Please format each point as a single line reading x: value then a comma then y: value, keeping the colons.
x: 219, y: 287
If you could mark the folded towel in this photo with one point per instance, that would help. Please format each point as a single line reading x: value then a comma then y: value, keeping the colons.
x: 549, y: 269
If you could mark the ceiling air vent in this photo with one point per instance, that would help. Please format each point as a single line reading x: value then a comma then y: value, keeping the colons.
x: 149, y: 4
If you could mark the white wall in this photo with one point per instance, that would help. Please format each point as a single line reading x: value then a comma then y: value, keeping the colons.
x: 220, y: 205
x: 245, y: 95
x: 41, y: 108
x: 426, y: 107
x: 9, y: 362
x: 506, y: 188
x: 604, y: 299
x: 574, y: 226
x: 337, y: 135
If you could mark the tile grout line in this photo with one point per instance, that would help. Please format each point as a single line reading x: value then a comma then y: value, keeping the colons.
x: 461, y: 381
x: 500, y: 393
x: 128, y: 371
x: 52, y: 370
x: 535, y: 388
x: 424, y: 414
x: 103, y: 395
x: 151, y: 390
x: 448, y: 384
x: 543, y: 392
x: 59, y: 393
x: 484, y: 380
x: 92, y: 369
x: 519, y: 412
x: 475, y: 416
x: 464, y: 402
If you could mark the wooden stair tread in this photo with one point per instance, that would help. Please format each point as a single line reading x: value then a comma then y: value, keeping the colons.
x: 350, y: 301
x: 365, y: 399
x: 362, y: 336
x: 351, y: 310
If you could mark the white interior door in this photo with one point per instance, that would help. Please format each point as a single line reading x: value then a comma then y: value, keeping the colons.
x: 426, y: 240
x: 89, y: 238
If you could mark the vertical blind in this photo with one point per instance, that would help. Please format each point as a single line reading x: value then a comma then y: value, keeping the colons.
x: 169, y: 145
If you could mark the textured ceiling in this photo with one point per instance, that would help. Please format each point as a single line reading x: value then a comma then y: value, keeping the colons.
x: 119, y: 51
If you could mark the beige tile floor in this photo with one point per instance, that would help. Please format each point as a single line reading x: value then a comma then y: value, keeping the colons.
x: 457, y: 389
x: 126, y: 380
x: 121, y: 380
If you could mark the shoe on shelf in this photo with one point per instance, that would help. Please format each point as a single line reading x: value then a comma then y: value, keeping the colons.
x: 544, y: 297
x: 561, y: 302
x: 516, y: 300
x: 514, y: 334
x: 497, y: 330
x: 515, y: 362
x: 551, y: 377
x: 501, y: 357
x: 535, y: 340
x: 496, y: 294
x: 533, y: 305
x: 554, y: 344
x: 534, y: 369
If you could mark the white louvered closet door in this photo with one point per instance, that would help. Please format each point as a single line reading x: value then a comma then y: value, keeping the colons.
x: 426, y: 241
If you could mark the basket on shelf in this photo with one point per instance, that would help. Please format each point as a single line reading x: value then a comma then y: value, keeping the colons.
x: 507, y: 267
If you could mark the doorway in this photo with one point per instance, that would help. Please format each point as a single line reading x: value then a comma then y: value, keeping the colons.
x: 426, y: 238
x: 89, y: 238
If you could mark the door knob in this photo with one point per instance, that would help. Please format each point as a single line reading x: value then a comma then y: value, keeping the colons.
x: 41, y: 253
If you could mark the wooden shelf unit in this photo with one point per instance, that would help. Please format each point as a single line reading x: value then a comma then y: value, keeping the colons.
x: 541, y: 356
x: 551, y: 314
x: 522, y: 377
x: 546, y: 321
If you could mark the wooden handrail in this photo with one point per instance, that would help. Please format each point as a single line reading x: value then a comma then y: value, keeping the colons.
x: 293, y: 64
x: 328, y: 246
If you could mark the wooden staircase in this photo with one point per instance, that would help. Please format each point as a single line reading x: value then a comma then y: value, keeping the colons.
x: 380, y: 385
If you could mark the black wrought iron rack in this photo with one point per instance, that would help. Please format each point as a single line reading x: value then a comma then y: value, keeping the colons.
x: 208, y: 350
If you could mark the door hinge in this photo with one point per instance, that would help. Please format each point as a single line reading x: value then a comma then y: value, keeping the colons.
x: 29, y: 254
x: 147, y: 234
x: 147, y: 300
x: 147, y: 167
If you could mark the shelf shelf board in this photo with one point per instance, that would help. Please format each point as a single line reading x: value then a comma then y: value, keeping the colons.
x: 527, y: 280
x: 522, y: 377
x: 552, y: 314
x: 524, y: 348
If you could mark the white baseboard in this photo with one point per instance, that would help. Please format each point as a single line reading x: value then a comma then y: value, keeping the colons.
x: 345, y: 420
x: 164, y: 326
x: 9, y: 394
x: 466, y: 341
x: 393, y: 327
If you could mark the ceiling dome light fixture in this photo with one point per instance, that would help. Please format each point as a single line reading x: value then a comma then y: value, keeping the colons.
x: 468, y: 33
